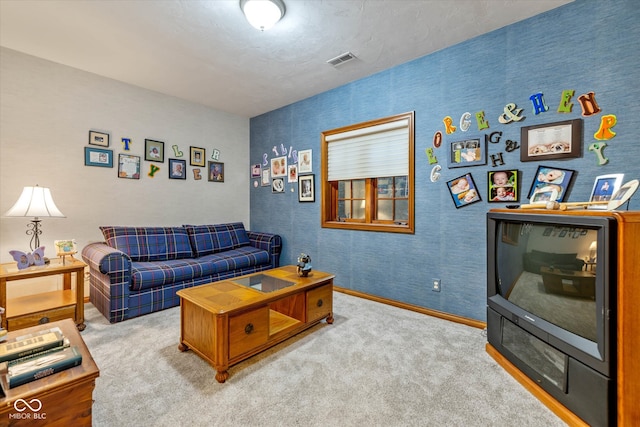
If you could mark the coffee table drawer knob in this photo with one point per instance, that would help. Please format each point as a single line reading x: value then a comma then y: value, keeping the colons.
x: 44, y: 320
x: 248, y: 329
x: 319, y: 303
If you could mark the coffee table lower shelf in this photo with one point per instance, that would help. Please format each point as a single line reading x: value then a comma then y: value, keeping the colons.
x: 226, y: 322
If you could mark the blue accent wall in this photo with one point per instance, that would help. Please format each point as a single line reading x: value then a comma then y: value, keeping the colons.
x: 586, y: 46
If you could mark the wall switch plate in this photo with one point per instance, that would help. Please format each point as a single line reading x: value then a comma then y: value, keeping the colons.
x: 436, y: 285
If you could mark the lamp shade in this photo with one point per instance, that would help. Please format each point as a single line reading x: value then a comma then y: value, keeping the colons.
x: 262, y: 14
x: 35, y: 202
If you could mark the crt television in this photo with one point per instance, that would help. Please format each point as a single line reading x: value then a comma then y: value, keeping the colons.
x: 551, y: 304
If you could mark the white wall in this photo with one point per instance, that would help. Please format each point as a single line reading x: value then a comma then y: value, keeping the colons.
x: 46, y: 112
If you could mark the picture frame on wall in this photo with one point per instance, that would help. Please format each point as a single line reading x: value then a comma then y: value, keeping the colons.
x: 469, y: 152
x: 197, y: 156
x: 153, y: 151
x: 550, y: 184
x: 279, y: 167
x: 604, y: 187
x: 305, y: 161
x: 98, y: 157
x: 559, y: 140
x: 277, y: 185
x: 216, y: 172
x: 266, y: 177
x: 503, y: 186
x: 128, y: 166
x: 256, y: 170
x: 306, y: 188
x: 177, y: 169
x: 98, y: 138
x: 463, y: 191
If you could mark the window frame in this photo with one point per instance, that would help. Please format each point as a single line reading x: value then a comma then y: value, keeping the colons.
x: 329, y: 190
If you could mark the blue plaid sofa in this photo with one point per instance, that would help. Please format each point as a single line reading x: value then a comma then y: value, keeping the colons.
x: 138, y: 270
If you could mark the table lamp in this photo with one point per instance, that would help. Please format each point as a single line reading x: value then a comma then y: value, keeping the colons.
x: 35, y: 202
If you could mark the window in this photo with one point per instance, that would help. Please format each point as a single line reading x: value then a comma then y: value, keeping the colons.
x: 368, y: 175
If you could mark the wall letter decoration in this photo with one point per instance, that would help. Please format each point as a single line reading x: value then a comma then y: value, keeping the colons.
x: 597, y: 148
x: 196, y: 175
x: 265, y: 159
x: 496, y: 159
x: 606, y: 123
x: 437, y: 139
x: 448, y: 125
x: 435, y: 173
x: 153, y: 169
x: 493, y: 137
x: 511, y: 145
x: 177, y: 152
x: 480, y: 119
x: 465, y: 121
x: 589, y: 104
x: 126, y: 144
x: 539, y: 106
x: 510, y: 113
x: 215, y: 154
x: 432, y: 159
x: 565, y: 101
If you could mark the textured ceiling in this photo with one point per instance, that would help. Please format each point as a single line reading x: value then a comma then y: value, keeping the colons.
x: 206, y: 52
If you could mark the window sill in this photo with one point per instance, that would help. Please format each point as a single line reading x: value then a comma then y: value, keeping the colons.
x: 384, y: 228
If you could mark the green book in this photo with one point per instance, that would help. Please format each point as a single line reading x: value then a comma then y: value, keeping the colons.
x: 38, y: 366
x: 31, y: 344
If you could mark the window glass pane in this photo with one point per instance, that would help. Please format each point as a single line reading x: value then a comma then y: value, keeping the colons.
x: 402, y: 190
x: 385, y: 187
x: 343, y: 209
x: 385, y: 210
x: 342, y: 189
x: 358, y: 189
x: 358, y: 209
x: 402, y: 210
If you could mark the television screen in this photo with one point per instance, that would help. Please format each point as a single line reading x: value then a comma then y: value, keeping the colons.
x: 549, y: 270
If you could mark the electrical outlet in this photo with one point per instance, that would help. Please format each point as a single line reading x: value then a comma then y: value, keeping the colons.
x: 436, y: 285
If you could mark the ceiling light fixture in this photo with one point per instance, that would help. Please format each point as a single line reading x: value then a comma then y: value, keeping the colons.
x: 262, y: 14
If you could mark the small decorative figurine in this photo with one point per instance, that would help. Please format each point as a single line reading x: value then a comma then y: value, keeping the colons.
x: 304, y: 265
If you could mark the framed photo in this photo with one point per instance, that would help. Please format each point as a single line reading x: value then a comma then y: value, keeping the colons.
x: 305, y: 161
x: 128, y: 166
x: 279, y: 167
x: 470, y: 152
x: 65, y: 247
x: 604, y: 187
x: 558, y: 140
x: 98, y: 157
x: 277, y: 185
x: 256, y: 171
x: 196, y: 156
x: 306, y: 188
x: 623, y: 195
x: 292, y: 176
x: 216, y: 171
x: 550, y: 184
x: 98, y: 138
x: 177, y: 169
x: 463, y: 191
x: 153, y: 151
x: 266, y: 177
x: 503, y: 186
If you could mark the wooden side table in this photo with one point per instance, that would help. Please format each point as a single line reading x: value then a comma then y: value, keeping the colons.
x: 61, y: 399
x: 44, y: 307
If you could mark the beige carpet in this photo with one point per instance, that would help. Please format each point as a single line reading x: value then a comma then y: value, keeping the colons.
x: 377, y: 365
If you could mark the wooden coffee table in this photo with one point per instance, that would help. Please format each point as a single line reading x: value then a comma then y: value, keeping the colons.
x: 61, y: 399
x: 229, y: 321
x: 569, y: 282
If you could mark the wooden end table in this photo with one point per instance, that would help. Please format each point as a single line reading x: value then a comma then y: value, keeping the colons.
x: 229, y: 321
x: 61, y: 399
x: 44, y: 307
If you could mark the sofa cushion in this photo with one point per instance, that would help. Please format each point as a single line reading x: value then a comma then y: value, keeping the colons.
x: 237, y: 259
x: 535, y: 259
x: 149, y: 243
x: 146, y: 275
x: 210, y: 239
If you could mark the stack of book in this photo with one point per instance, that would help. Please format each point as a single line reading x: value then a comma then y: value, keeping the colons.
x: 33, y: 356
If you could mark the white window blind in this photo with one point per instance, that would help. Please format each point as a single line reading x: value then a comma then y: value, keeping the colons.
x: 371, y: 152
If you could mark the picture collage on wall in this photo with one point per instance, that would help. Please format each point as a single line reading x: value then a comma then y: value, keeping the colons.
x: 287, y: 166
x: 98, y: 153
x: 553, y: 140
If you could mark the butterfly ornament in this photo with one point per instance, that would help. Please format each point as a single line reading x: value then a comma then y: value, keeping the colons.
x: 25, y: 260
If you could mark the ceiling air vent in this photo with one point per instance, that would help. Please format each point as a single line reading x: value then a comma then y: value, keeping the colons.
x: 341, y: 59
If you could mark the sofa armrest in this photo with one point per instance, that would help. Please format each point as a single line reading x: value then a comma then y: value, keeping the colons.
x: 271, y: 243
x: 110, y: 279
